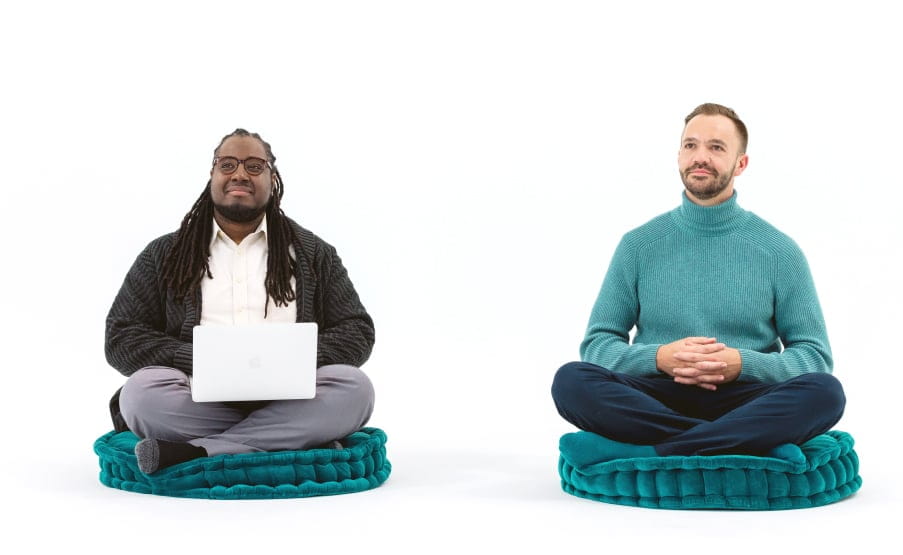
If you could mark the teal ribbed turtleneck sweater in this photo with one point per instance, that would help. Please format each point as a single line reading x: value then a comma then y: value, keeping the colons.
x: 716, y: 271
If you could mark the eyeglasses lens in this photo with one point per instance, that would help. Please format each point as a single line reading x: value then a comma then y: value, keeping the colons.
x: 228, y: 165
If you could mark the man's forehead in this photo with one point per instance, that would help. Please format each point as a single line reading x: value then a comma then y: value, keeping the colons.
x: 711, y: 127
x: 244, y: 146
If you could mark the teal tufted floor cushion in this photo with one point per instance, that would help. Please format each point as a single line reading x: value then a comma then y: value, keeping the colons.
x: 359, y: 466
x: 821, y: 471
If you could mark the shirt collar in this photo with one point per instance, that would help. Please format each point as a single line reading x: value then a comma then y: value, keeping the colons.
x: 218, y: 232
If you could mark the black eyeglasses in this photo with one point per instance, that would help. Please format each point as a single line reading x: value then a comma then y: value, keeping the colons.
x: 228, y: 165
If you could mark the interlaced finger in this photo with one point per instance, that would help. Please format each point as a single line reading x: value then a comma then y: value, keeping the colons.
x: 690, y: 381
x: 693, y: 376
x: 687, y: 356
x: 705, y: 349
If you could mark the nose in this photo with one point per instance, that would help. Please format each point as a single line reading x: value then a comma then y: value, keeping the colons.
x: 240, y: 174
x: 700, y: 156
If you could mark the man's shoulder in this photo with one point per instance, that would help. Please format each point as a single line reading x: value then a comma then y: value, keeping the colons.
x: 316, y: 249
x: 158, y: 247
x: 767, y: 237
x: 307, y: 238
x: 651, y: 231
x: 164, y: 240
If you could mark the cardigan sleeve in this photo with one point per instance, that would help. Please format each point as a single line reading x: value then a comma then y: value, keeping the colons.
x: 346, y: 334
x: 615, y: 313
x: 136, y: 324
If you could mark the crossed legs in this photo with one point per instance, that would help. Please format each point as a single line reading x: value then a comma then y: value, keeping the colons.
x: 156, y: 403
x: 676, y: 419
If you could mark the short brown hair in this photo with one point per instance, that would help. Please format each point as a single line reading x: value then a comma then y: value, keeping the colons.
x: 712, y: 109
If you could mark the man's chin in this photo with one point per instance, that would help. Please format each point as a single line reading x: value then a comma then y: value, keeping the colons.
x: 707, y: 191
x: 704, y: 194
x: 239, y: 213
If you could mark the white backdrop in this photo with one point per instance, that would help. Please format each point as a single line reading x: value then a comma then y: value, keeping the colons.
x: 474, y: 163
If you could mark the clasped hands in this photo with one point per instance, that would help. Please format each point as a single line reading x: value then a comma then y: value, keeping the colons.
x: 699, y: 361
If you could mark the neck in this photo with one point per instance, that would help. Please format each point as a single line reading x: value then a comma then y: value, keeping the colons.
x: 236, y: 231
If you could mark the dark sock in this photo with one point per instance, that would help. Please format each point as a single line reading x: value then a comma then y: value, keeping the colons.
x: 154, y: 454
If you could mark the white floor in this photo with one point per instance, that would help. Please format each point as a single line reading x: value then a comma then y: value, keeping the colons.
x: 461, y: 484
x: 440, y: 498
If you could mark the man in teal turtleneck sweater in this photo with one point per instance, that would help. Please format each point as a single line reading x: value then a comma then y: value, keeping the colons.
x: 731, y: 353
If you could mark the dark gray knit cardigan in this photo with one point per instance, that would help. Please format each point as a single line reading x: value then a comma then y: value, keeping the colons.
x: 147, y: 327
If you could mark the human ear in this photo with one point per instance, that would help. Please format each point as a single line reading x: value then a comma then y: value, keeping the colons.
x: 742, y: 162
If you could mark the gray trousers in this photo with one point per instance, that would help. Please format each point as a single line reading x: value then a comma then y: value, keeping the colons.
x: 156, y: 403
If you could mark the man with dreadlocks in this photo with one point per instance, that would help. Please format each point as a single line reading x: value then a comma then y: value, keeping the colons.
x: 236, y: 259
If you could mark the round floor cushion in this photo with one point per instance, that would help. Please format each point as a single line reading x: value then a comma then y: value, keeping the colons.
x: 821, y: 471
x: 359, y: 466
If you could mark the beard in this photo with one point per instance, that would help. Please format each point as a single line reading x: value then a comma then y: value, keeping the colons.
x: 709, y: 188
x: 240, y: 213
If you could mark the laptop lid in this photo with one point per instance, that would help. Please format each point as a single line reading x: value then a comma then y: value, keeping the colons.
x: 254, y: 363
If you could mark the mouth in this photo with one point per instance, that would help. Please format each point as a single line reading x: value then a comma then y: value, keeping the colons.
x: 699, y: 172
x: 239, y: 191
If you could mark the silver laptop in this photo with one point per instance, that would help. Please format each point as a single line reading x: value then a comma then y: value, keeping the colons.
x: 254, y: 363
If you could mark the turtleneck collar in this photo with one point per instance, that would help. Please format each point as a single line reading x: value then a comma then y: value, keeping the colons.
x: 720, y: 219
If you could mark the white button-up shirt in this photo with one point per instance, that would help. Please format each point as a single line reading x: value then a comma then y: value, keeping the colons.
x: 236, y: 294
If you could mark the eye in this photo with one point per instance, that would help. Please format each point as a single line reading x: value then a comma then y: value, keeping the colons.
x: 256, y: 167
x: 227, y: 165
x: 719, y: 148
x: 688, y: 145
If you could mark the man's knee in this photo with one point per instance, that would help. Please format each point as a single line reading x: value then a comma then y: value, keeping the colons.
x: 138, y: 399
x: 569, y: 383
x: 564, y: 383
x: 823, y: 393
x: 355, y: 384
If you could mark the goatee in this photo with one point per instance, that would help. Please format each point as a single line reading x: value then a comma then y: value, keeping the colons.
x: 715, y: 187
x: 240, y: 213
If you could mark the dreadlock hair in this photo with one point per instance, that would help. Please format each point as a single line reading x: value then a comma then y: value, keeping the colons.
x: 186, y: 262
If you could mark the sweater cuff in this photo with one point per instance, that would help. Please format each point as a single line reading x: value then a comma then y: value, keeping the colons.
x: 639, y: 360
x: 183, y: 358
x: 760, y: 367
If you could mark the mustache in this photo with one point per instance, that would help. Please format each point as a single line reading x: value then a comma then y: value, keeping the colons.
x: 239, y: 184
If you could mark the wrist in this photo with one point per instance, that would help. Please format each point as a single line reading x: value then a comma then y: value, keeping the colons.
x: 661, y: 358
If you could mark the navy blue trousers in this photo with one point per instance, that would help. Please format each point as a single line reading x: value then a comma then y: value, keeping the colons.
x: 676, y: 419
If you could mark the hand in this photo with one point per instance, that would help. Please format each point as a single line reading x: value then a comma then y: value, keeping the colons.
x: 699, y: 361
x: 706, y: 371
x: 666, y: 361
